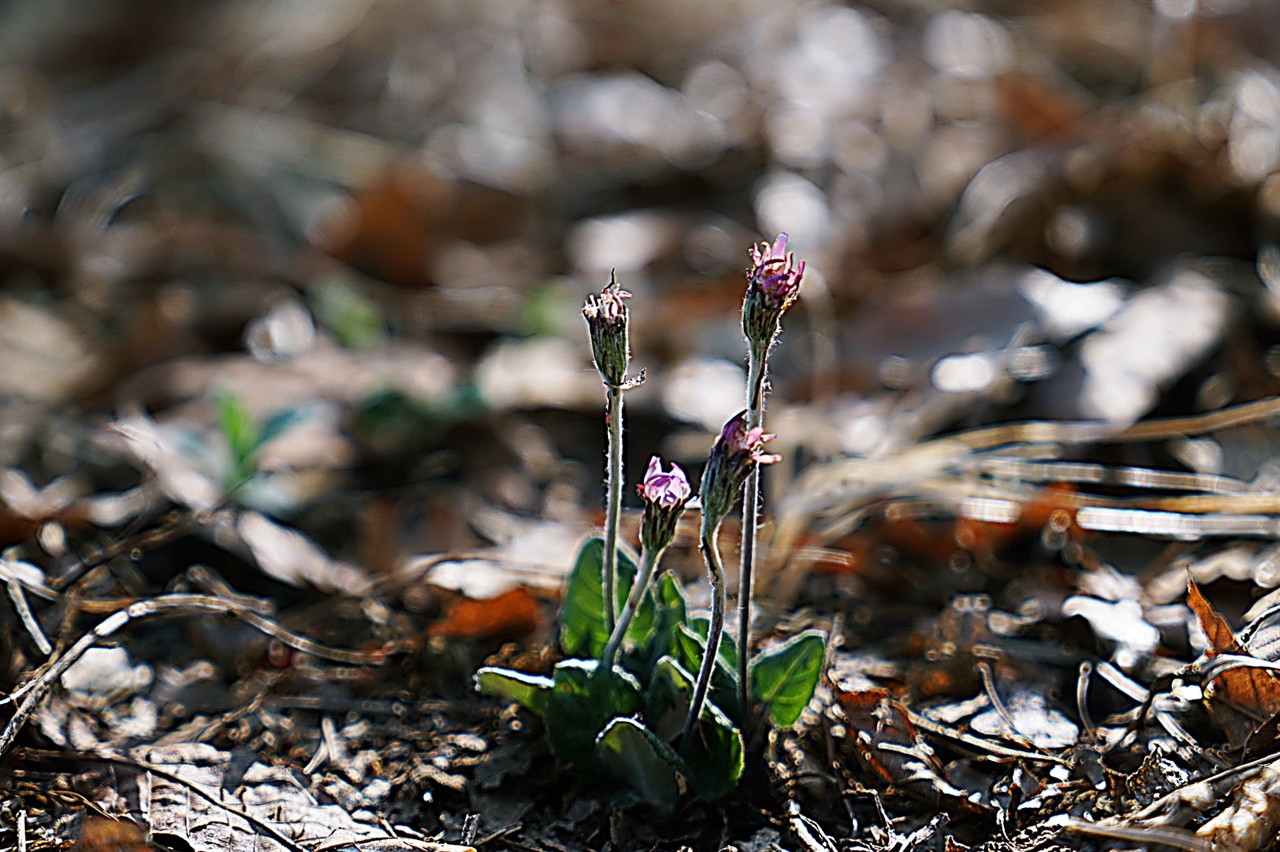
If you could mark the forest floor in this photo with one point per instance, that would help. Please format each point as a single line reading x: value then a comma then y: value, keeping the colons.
x: 299, y: 426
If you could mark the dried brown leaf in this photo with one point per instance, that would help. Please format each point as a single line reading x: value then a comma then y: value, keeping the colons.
x: 512, y: 613
x: 1240, y: 698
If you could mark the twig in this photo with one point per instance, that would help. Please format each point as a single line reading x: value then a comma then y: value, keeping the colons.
x: 20, y: 605
x: 989, y: 684
x: 34, y: 690
x: 1178, y: 838
x: 215, y: 799
x: 808, y: 831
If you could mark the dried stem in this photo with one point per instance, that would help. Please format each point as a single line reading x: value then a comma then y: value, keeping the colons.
x: 711, y: 554
x: 613, y: 512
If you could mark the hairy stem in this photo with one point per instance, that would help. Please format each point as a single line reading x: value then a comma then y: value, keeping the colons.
x: 750, y: 519
x: 613, y: 510
x: 711, y: 554
x: 648, y: 562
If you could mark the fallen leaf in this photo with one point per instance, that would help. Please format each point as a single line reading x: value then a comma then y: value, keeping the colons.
x: 890, y: 749
x: 1239, y: 699
x: 102, y: 834
x: 512, y: 613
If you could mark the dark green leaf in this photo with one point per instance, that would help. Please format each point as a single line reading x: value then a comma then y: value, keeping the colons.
x: 687, y: 648
x: 529, y: 691
x: 667, y: 700
x: 631, y: 752
x: 582, y: 702
x: 278, y: 423
x: 671, y: 612
x: 785, y: 677
x: 671, y: 597
x: 582, y: 628
x: 714, y: 755
x: 701, y: 625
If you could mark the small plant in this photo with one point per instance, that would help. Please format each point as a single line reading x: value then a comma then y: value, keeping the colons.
x: 665, y: 496
x: 773, y: 285
x: 245, y: 437
x: 625, y: 701
x: 735, y: 454
x: 608, y: 322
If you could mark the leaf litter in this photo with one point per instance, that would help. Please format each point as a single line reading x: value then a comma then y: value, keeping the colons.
x: 297, y: 430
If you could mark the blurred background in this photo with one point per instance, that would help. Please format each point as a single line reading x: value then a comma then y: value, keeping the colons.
x: 366, y: 229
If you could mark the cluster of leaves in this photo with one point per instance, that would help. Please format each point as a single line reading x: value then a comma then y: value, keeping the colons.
x: 626, y: 722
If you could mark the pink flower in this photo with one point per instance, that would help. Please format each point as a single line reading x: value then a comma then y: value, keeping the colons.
x: 664, y: 495
x: 738, y: 438
x: 732, y: 457
x: 664, y: 490
x: 773, y: 284
x: 775, y: 272
x: 608, y: 307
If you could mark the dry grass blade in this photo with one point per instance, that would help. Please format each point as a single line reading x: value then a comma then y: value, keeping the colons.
x: 992, y: 473
x: 166, y: 605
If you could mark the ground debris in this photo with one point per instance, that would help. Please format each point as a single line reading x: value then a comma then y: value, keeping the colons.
x: 298, y: 427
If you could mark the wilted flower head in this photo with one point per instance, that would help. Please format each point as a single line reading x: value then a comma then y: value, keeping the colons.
x: 734, y: 453
x: 773, y: 283
x: 664, y: 495
x: 607, y: 321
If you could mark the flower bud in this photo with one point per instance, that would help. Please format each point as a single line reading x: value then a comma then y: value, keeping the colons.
x: 607, y: 321
x: 736, y: 451
x: 773, y: 283
x: 664, y: 496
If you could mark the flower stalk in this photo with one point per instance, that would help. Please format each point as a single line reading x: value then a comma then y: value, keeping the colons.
x: 715, y: 569
x: 736, y: 452
x: 608, y: 322
x: 773, y: 284
x: 613, y: 507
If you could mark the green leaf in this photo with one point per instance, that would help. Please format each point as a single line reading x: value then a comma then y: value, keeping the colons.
x: 713, y: 758
x: 671, y: 611
x: 701, y: 625
x: 341, y: 306
x: 241, y: 435
x: 582, y: 702
x: 713, y: 763
x: 582, y: 627
x: 785, y: 677
x: 529, y: 691
x: 671, y: 597
x: 666, y: 703
x: 631, y: 752
x: 688, y: 646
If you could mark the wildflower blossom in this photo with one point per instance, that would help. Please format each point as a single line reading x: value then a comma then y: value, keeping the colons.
x: 733, y: 456
x: 607, y: 320
x: 664, y: 496
x: 773, y: 284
